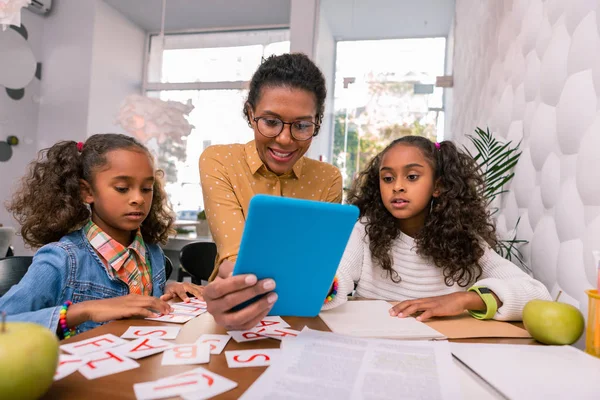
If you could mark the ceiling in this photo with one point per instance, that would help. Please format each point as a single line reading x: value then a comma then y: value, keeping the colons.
x: 203, y: 14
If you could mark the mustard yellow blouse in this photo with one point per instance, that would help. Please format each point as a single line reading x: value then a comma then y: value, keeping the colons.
x: 231, y: 174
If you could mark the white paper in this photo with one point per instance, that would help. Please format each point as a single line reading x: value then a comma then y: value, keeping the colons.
x: 245, y: 336
x: 105, y: 363
x: 161, y: 332
x: 185, y: 354
x: 174, y: 318
x: 251, y: 358
x: 371, y: 318
x: 194, y: 300
x: 217, y: 342
x: 187, y: 309
x: 67, y: 364
x: 533, y: 372
x: 214, y: 384
x: 278, y: 333
x: 191, y: 304
x: 271, y: 322
x: 94, y: 344
x: 167, y: 387
x: 318, y: 365
x: 143, y: 347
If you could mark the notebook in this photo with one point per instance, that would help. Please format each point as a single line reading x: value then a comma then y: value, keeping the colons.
x: 299, y: 244
x: 533, y: 372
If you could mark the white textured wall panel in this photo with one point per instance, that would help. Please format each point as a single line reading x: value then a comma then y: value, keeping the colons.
x: 524, y: 180
x: 585, y: 43
x: 544, y: 251
x: 588, y: 165
x: 569, y: 212
x: 541, y: 60
x: 543, y: 134
x: 554, y: 65
x: 575, y: 111
x: 550, y: 180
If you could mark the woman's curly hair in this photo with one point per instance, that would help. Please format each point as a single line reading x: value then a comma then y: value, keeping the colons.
x: 48, y: 204
x: 455, y: 230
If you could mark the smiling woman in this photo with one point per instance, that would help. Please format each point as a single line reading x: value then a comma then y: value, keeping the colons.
x: 284, y: 108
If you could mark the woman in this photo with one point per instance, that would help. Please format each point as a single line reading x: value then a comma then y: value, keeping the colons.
x: 284, y: 108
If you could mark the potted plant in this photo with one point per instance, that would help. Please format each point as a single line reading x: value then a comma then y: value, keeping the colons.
x: 497, y: 160
x: 202, y: 226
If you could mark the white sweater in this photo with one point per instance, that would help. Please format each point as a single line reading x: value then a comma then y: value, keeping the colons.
x: 421, y: 278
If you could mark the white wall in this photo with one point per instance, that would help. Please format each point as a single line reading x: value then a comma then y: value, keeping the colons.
x: 116, y: 67
x: 92, y: 58
x: 19, y: 118
x: 530, y: 70
x: 67, y: 58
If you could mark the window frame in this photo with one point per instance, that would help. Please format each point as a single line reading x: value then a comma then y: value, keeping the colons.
x: 152, y: 86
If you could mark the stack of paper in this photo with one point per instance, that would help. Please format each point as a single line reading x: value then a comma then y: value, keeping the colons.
x: 372, y: 319
x: 318, y: 365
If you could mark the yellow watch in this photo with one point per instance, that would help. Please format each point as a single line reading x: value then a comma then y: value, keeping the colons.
x: 491, y: 306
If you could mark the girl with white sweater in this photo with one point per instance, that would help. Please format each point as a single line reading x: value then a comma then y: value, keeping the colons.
x: 425, y: 238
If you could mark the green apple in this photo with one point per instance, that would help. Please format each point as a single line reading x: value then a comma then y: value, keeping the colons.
x: 28, y: 360
x: 551, y: 322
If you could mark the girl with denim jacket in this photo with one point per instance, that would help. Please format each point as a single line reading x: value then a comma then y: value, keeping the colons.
x: 98, y: 210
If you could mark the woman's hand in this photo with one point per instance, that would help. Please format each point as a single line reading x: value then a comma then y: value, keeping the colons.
x: 226, y: 292
x: 132, y: 305
x: 439, y: 306
x: 181, y: 289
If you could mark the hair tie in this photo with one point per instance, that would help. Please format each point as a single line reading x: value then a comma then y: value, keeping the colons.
x: 80, y: 146
x: 437, y: 145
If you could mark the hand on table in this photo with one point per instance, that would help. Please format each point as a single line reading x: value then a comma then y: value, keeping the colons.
x: 438, y: 306
x: 132, y: 305
x: 181, y: 289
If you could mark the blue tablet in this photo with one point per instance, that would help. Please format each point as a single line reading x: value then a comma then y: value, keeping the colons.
x: 299, y: 244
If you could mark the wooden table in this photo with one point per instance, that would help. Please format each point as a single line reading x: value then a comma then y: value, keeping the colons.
x: 120, y: 386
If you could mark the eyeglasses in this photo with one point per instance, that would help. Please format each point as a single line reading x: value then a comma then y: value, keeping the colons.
x: 272, y: 126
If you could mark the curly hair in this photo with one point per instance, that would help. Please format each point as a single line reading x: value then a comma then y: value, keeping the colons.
x: 293, y: 70
x: 48, y: 204
x: 456, y: 228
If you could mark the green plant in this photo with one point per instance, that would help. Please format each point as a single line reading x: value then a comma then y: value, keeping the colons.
x: 497, y: 160
x: 202, y: 215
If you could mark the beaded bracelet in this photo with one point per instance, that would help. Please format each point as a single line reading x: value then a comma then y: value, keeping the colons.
x: 66, y: 332
x: 333, y: 291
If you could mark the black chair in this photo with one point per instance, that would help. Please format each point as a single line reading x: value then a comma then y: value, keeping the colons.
x: 168, y: 268
x: 198, y: 260
x: 12, y: 269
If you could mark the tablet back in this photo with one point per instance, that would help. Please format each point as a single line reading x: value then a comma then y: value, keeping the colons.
x: 299, y: 244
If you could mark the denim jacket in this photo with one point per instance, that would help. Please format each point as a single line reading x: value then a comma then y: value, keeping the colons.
x: 70, y: 270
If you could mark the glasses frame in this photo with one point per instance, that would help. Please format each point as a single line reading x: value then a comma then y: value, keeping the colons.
x: 283, y: 124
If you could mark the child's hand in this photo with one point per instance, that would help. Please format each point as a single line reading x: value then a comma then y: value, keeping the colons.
x: 132, y: 305
x: 439, y: 306
x: 180, y: 289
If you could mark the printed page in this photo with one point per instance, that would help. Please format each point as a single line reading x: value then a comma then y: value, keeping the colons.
x: 371, y: 318
x: 318, y: 365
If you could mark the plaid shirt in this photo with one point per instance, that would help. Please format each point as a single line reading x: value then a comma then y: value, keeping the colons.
x: 126, y: 263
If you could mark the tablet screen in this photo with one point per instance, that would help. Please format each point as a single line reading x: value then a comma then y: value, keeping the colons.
x: 299, y: 244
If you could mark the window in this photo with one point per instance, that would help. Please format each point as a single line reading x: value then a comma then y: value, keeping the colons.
x: 385, y: 89
x: 213, y: 70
